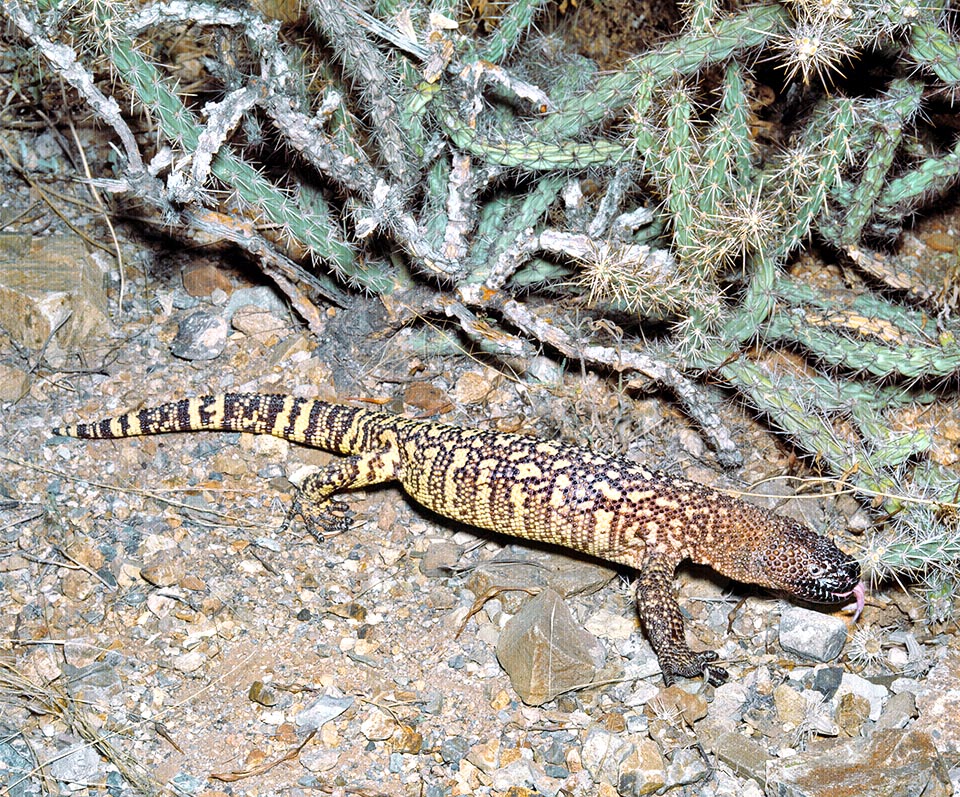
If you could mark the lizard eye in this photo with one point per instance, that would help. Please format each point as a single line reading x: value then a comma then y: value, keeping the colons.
x: 817, y: 570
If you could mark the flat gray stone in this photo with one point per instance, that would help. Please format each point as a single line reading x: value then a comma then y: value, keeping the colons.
x: 200, y: 336
x: 545, y: 651
x: 79, y: 763
x: 810, y: 634
x: 322, y: 710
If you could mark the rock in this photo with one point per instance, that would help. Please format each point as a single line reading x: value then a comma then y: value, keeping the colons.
x: 891, y: 763
x: 258, y: 323
x: 77, y: 585
x: 874, y: 693
x: 200, y: 336
x: 676, y: 701
x: 827, y: 680
x: 525, y: 568
x: 17, y: 764
x: 81, y: 652
x: 612, y: 626
x: 51, y: 285
x: 485, y: 756
x: 603, y: 752
x: 40, y: 663
x: 189, y: 662
x: 428, y: 399
x: 728, y: 702
x: 687, y: 765
x: 406, y: 740
x: 725, y: 783
x: 378, y: 726
x: 545, y: 651
x: 571, y: 576
x: 439, y: 559
x: 642, y: 771
x: 898, y: 711
x: 263, y: 693
x: 319, y: 759
x: 791, y: 706
x: 163, y: 572
x: 193, y: 582
x: 640, y: 662
x: 852, y: 712
x: 14, y: 383
x: 78, y: 764
x: 523, y: 774
x: 262, y: 297
x: 453, y: 748
x: 938, y: 704
x: 202, y: 279
x: 812, y: 635
x: 473, y: 387
x: 96, y: 684
x: 743, y: 754
x: 322, y: 710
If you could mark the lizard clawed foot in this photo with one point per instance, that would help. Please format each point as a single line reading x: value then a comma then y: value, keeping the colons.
x: 693, y: 665
x: 327, y: 520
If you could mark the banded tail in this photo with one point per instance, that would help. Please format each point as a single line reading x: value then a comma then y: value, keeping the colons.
x: 333, y: 427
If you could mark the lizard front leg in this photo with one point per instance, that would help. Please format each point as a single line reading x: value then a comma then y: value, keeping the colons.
x: 663, y: 623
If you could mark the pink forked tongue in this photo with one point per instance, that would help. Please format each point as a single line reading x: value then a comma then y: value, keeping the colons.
x: 859, y: 592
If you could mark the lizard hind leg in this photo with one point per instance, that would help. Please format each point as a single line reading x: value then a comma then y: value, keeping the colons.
x: 314, y: 503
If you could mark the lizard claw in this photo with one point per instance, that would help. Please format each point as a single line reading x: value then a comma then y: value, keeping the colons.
x: 333, y: 518
x: 693, y: 665
x: 716, y: 676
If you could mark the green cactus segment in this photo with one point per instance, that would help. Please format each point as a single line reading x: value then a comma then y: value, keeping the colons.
x: 728, y: 149
x: 518, y: 18
x: 939, y: 547
x: 922, y: 541
x: 641, y: 131
x: 367, y: 67
x: 890, y: 115
x: 506, y: 252
x: 841, y: 346
x: 923, y: 538
x: 932, y: 177
x: 700, y: 15
x: 251, y: 188
x: 414, y: 117
x: 811, y: 412
x: 757, y: 302
x: 934, y: 48
x: 792, y: 405
x: 827, y: 136
x: 435, y: 216
x: 534, y: 154
x: 864, y: 334
x: 678, y: 179
x: 539, y: 272
x: 729, y: 36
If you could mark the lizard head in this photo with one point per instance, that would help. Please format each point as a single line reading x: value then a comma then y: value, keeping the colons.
x: 806, y: 565
x: 783, y: 555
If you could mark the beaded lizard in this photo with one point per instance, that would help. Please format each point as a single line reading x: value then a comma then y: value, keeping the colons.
x: 607, y: 507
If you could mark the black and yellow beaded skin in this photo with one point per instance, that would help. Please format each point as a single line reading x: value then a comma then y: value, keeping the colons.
x: 552, y: 492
